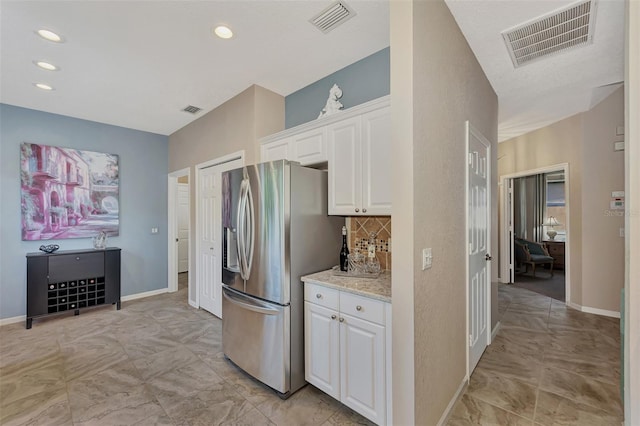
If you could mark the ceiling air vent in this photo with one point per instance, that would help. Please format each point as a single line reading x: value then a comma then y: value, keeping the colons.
x: 561, y: 30
x: 333, y: 16
x: 192, y: 109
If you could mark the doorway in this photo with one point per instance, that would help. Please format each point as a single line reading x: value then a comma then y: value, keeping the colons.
x: 179, y: 225
x: 535, y: 231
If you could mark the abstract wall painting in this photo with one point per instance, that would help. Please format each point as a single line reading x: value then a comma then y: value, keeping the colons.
x: 68, y: 193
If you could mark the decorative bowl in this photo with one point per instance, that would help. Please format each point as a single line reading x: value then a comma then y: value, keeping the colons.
x: 50, y: 248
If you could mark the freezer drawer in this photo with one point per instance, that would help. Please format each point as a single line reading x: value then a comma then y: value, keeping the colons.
x: 255, y: 336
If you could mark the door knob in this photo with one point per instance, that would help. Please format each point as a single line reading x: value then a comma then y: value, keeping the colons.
x: 364, y: 210
x: 333, y: 317
x: 357, y: 210
x: 176, y: 240
x: 487, y: 257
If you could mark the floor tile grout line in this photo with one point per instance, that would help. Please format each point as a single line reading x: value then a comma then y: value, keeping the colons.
x: 499, y: 408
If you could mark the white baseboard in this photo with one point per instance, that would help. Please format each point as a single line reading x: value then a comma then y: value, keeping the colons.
x: 193, y: 304
x: 456, y: 396
x: 13, y: 320
x: 603, y: 312
x: 597, y: 311
x: 22, y: 318
x: 144, y: 294
x: 495, y: 331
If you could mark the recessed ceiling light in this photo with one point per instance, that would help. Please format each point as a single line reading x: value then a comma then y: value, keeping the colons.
x: 49, y: 35
x: 43, y: 86
x: 46, y: 66
x: 223, y: 32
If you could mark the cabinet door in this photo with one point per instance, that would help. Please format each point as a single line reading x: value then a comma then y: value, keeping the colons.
x: 345, y: 168
x: 321, y: 340
x: 362, y: 361
x: 376, y: 162
x: 310, y: 147
x: 277, y: 150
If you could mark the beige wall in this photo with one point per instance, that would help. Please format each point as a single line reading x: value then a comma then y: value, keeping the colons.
x: 549, y: 146
x: 402, y: 217
x: 632, y: 223
x: 603, y: 172
x: 234, y: 126
x: 585, y: 142
x: 447, y: 88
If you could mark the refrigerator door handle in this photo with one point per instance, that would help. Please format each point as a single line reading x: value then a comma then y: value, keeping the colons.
x: 252, y: 230
x: 241, y: 239
x: 249, y: 304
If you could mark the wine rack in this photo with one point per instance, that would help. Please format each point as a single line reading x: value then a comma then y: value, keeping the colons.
x: 75, y: 294
x: 71, y: 280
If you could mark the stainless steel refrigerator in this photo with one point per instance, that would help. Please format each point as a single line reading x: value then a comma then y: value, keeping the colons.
x: 275, y: 229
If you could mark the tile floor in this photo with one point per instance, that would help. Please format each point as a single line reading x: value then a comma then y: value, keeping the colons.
x: 548, y: 365
x: 159, y: 362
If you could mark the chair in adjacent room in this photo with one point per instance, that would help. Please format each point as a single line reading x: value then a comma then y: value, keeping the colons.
x: 532, y: 253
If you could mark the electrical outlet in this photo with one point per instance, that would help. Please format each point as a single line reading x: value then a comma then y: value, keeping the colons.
x: 427, y: 258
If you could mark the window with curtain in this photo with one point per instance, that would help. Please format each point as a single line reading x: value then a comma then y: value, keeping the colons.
x: 555, y: 202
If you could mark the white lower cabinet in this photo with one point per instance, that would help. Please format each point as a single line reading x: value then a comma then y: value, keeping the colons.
x: 346, y: 350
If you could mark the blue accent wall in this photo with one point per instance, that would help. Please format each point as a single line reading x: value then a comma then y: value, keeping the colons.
x: 362, y: 81
x: 143, y: 168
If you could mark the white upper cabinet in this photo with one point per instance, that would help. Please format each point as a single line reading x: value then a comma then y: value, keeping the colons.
x: 277, y: 150
x: 356, y: 146
x: 360, y: 165
x: 308, y: 148
x: 376, y: 162
x: 345, y: 167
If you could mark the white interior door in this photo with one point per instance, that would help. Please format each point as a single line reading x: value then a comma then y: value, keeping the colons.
x: 478, y: 227
x: 183, y: 227
x: 209, y: 261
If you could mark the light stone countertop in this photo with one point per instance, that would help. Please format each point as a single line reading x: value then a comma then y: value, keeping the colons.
x: 374, y: 288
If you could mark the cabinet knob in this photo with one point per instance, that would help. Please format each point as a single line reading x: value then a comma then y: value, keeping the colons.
x: 358, y: 308
x: 357, y: 210
x: 341, y: 319
x: 364, y: 210
x: 333, y: 317
x: 318, y: 296
x: 77, y: 257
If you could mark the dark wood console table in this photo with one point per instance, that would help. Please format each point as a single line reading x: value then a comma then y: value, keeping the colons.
x: 71, y: 280
x: 556, y: 250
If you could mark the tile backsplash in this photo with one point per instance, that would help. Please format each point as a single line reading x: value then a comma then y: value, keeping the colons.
x: 360, y: 227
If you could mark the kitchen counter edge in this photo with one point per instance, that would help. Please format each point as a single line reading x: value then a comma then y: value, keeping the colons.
x: 378, y: 288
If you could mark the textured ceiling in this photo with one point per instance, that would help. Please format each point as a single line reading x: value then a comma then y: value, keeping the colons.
x: 136, y: 64
x: 550, y: 89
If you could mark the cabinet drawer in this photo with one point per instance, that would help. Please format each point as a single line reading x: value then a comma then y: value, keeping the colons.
x: 321, y: 295
x: 362, y: 307
x: 72, y: 266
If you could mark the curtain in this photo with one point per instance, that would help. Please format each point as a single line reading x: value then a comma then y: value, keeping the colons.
x: 529, y: 202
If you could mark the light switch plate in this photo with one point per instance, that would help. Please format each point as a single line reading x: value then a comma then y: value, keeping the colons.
x: 427, y: 258
x: 617, y: 194
x: 618, y: 146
